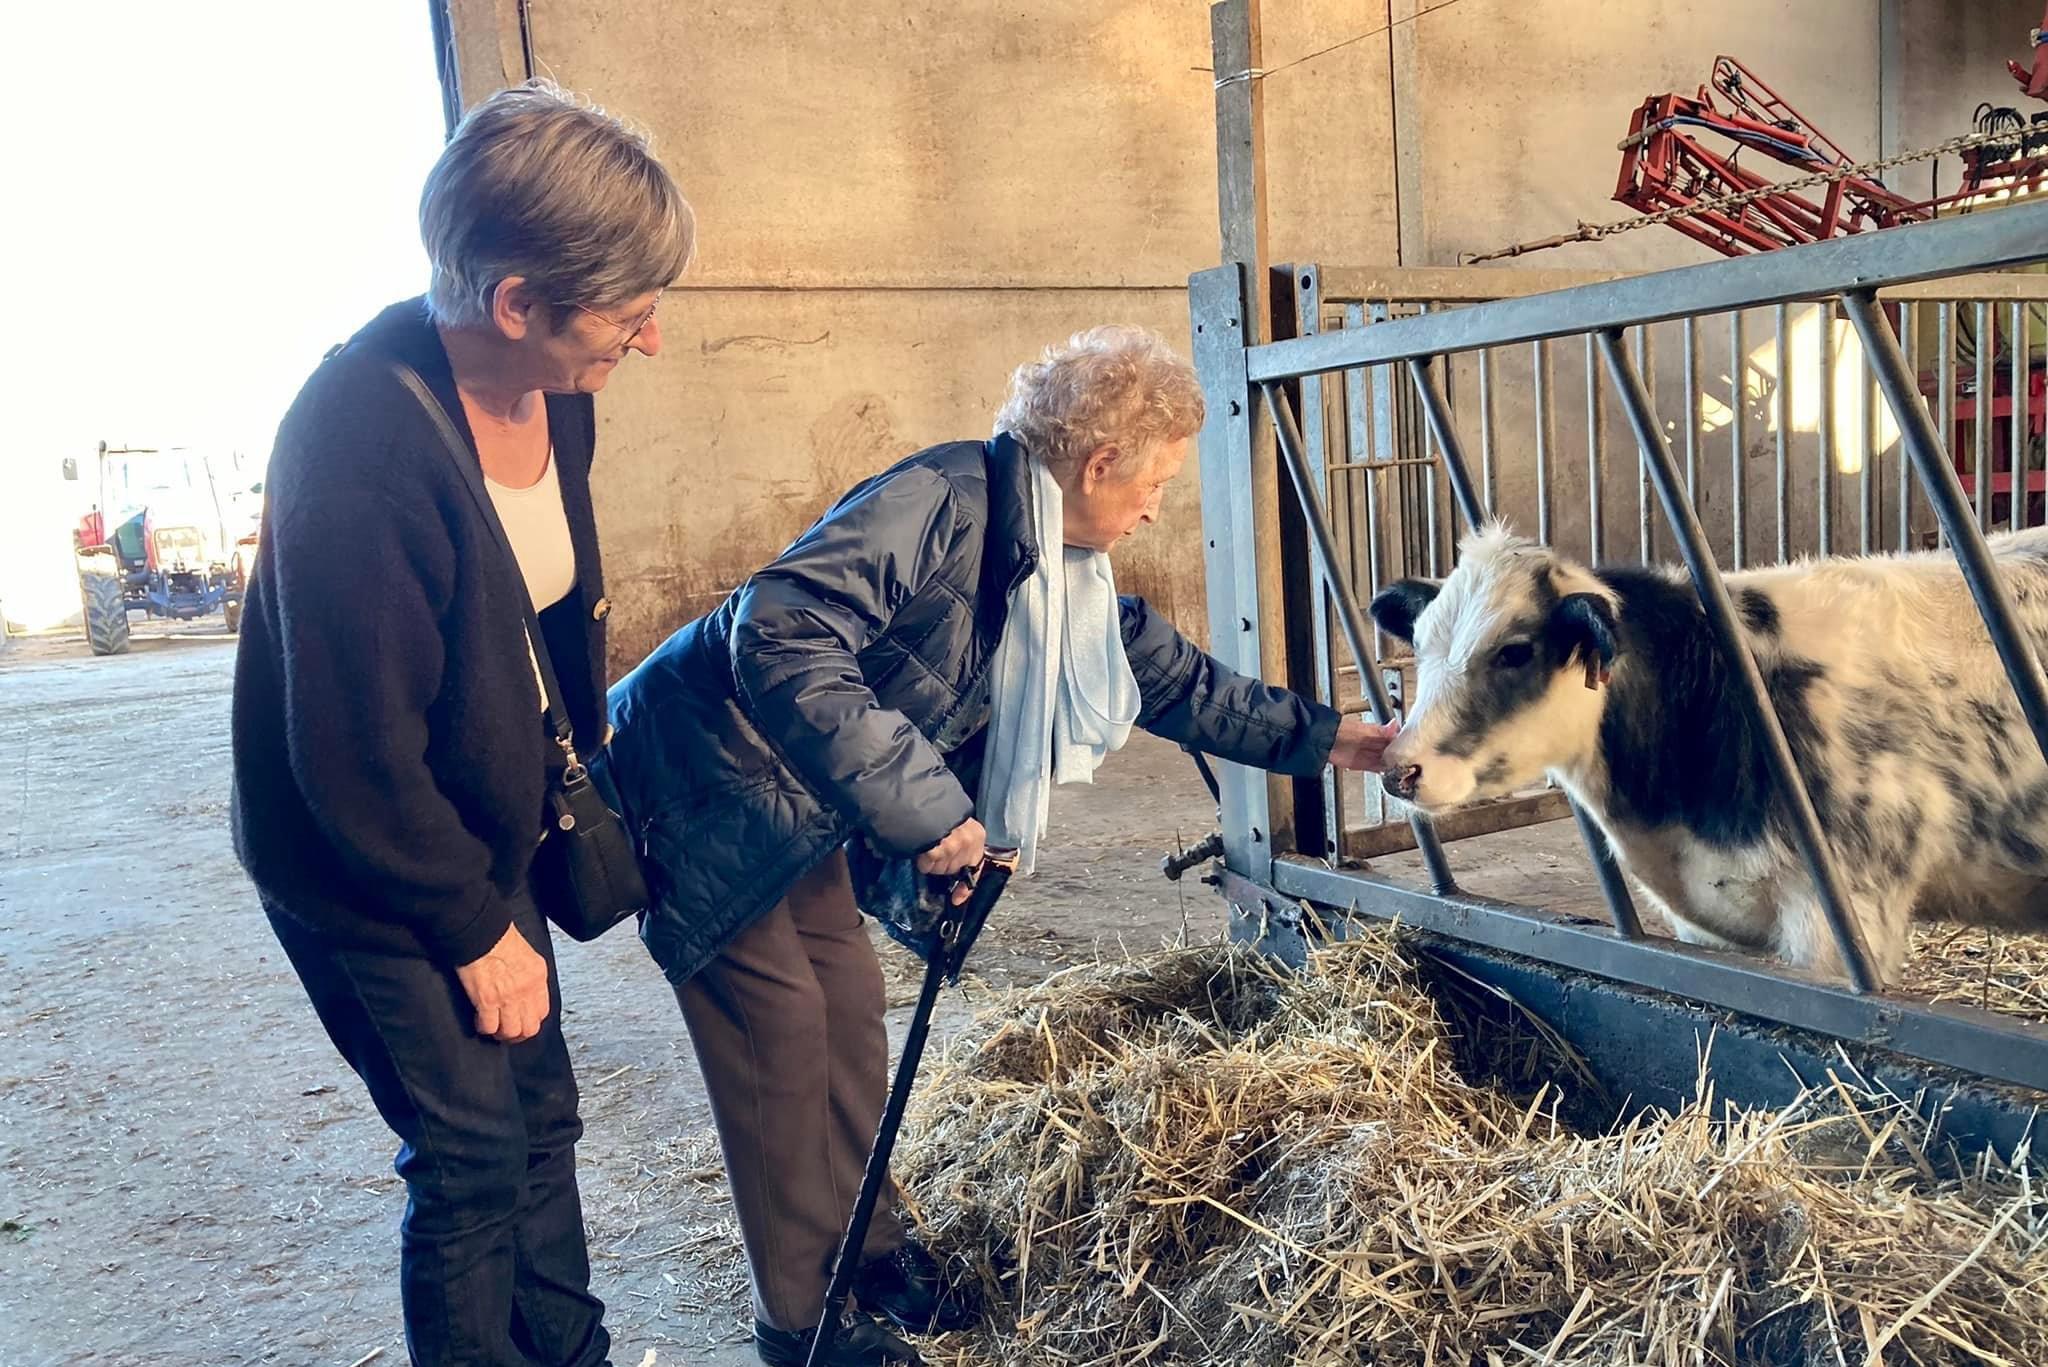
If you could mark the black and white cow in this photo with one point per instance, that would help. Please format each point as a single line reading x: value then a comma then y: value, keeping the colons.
x: 1928, y: 783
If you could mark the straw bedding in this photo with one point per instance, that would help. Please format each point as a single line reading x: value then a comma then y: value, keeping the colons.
x: 1190, y: 1158
x: 1981, y: 968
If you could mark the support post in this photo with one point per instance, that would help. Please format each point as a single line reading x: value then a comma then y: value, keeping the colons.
x: 1721, y: 618
x: 1318, y: 802
x: 1235, y: 42
x: 1217, y: 302
x: 488, y: 46
x: 1404, y: 84
x: 1891, y: 76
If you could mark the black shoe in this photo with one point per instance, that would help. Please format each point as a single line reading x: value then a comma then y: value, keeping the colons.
x: 911, y: 1288
x: 861, y: 1343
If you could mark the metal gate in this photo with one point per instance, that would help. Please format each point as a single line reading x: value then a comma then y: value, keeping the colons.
x: 1786, y: 448
x: 1370, y: 404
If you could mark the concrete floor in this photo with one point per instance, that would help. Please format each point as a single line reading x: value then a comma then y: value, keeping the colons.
x: 188, y: 1172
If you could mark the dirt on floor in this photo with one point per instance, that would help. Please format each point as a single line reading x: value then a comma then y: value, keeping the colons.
x: 188, y: 1172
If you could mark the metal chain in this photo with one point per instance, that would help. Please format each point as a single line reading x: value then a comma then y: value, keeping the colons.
x: 1594, y: 232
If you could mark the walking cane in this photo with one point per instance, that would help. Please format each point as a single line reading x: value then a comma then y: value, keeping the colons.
x: 953, y: 936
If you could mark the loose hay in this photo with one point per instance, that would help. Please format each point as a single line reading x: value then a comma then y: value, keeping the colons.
x: 1189, y: 1158
x: 1982, y: 968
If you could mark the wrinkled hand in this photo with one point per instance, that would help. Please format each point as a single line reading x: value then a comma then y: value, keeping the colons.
x: 958, y: 852
x: 1360, y: 744
x: 508, y: 987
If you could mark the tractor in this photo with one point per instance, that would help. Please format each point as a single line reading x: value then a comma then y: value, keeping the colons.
x: 169, y: 535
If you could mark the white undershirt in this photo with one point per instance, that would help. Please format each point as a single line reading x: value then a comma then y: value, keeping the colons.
x: 538, y: 529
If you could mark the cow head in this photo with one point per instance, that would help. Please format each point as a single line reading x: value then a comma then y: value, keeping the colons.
x: 1513, y: 654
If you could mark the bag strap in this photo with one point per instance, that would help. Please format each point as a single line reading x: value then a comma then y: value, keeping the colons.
x: 473, y: 479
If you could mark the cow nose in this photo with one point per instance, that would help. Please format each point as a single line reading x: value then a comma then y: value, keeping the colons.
x: 1403, y: 781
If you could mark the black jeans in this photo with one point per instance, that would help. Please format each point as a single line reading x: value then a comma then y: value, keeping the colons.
x: 493, y: 1267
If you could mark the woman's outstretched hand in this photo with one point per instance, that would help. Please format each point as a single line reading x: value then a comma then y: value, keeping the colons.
x: 1360, y: 744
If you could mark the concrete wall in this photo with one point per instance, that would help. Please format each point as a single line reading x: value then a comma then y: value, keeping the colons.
x: 901, y: 202
x: 1954, y: 60
x: 898, y: 205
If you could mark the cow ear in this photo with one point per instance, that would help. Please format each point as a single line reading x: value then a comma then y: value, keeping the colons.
x: 1583, y: 623
x: 1396, y: 606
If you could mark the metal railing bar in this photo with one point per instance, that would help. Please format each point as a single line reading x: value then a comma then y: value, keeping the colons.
x: 1349, y: 618
x: 1420, y: 514
x: 1825, y: 428
x: 1950, y: 246
x: 1359, y: 451
x: 1488, y: 284
x: 1982, y: 409
x: 1315, y: 406
x: 1691, y: 330
x: 1909, y: 318
x: 1646, y: 536
x: 1781, y: 417
x: 1489, y: 478
x: 1542, y: 375
x: 1344, y: 467
x: 1380, y: 378
x: 2017, y: 424
x: 1738, y: 439
x: 1944, y: 491
x: 1957, y: 1037
x: 1945, y: 386
x: 1596, y: 462
x: 1621, y: 906
x: 1362, y: 500
x: 1433, y: 517
x: 1720, y: 613
x: 1868, y: 531
x: 1437, y: 412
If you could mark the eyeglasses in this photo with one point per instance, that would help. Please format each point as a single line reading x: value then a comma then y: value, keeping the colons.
x: 632, y: 329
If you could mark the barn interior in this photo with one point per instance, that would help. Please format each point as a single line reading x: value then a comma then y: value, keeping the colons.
x: 898, y: 204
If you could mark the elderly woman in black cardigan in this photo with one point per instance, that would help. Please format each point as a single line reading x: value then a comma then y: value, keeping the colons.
x: 913, y: 674
x: 389, y: 752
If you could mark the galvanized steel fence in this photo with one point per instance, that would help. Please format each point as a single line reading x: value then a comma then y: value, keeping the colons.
x: 1787, y: 450
x: 1388, y: 432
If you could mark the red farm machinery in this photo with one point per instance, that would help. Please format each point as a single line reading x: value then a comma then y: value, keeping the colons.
x: 1692, y: 163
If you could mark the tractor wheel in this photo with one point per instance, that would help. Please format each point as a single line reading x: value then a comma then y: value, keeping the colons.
x: 233, y: 612
x: 106, y: 612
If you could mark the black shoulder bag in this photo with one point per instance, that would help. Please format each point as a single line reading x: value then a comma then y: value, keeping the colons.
x: 585, y: 875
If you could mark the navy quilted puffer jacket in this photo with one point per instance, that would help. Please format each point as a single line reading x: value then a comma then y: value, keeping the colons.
x: 844, y: 688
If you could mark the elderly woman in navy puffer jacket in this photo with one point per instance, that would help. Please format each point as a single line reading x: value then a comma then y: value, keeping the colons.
x: 912, y: 672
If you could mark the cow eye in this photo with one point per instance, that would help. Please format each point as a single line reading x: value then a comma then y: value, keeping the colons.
x: 1515, y: 654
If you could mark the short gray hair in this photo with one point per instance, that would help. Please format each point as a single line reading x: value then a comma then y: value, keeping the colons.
x: 1114, y: 385
x: 539, y: 183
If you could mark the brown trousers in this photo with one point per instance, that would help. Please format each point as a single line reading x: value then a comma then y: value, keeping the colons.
x: 788, y: 1028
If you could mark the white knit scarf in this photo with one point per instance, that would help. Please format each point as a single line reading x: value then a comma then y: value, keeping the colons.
x: 1061, y: 691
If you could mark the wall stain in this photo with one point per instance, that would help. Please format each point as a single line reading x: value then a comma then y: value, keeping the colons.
x: 755, y: 341
x: 854, y: 437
